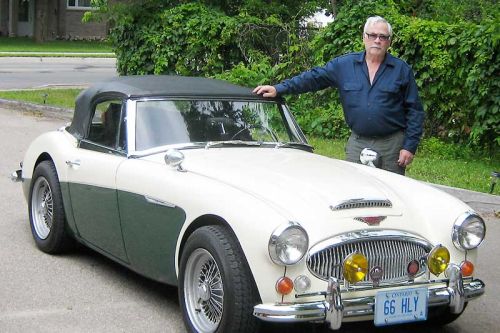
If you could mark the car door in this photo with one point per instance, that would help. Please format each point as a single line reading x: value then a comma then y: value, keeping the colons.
x: 92, y: 179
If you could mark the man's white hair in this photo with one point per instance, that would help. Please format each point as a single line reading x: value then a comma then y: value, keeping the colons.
x: 377, y: 19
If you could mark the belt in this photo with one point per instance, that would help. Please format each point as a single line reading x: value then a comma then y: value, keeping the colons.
x: 375, y: 137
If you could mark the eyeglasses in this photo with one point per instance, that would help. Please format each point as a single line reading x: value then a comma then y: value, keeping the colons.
x: 383, y: 38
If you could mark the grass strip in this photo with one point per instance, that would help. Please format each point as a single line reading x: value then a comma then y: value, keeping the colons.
x: 63, y: 98
x: 25, y: 44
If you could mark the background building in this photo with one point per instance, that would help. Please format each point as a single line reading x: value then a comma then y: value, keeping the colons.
x: 48, y: 20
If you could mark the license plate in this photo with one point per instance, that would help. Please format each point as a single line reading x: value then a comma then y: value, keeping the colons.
x: 400, y: 306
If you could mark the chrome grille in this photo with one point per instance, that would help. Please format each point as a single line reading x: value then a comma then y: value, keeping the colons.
x: 392, y: 252
x: 362, y: 203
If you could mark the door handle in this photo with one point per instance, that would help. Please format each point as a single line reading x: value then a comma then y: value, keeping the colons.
x: 73, y: 163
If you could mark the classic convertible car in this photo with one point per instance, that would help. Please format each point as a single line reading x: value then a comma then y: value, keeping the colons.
x: 204, y: 185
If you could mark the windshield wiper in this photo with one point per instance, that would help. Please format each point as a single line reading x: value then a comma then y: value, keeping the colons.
x: 297, y: 145
x: 232, y: 143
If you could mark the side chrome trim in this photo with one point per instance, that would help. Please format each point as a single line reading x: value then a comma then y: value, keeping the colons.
x: 334, y: 309
x: 155, y: 201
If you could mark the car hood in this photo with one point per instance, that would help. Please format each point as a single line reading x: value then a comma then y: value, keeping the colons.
x: 294, y: 181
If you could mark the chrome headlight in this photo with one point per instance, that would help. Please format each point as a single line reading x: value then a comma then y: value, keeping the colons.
x: 288, y: 244
x: 468, y: 231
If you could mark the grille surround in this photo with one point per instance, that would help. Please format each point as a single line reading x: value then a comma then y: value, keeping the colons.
x: 390, y: 249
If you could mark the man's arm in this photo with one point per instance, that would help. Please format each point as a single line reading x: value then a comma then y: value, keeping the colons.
x: 312, y: 80
x: 414, y: 112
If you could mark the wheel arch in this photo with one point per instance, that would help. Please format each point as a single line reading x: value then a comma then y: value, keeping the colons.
x: 43, y: 157
x: 207, y: 220
x: 201, y: 221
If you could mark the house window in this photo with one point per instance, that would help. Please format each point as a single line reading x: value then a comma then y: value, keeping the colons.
x: 85, y: 4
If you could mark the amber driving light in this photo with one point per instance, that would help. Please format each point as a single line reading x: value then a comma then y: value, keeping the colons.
x: 355, y: 267
x: 467, y: 268
x: 438, y: 259
x: 284, y: 285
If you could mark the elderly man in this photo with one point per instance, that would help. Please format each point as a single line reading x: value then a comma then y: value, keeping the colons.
x: 378, y: 94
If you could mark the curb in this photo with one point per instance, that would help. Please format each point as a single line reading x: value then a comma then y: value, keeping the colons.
x: 45, y: 110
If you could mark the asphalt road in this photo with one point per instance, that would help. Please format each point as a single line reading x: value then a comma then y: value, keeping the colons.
x: 85, y: 292
x: 36, y: 72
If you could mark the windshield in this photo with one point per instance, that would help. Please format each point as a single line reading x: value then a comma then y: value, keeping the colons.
x: 166, y: 122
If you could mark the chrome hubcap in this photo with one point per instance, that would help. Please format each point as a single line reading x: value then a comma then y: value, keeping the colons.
x: 204, y: 291
x: 42, y: 208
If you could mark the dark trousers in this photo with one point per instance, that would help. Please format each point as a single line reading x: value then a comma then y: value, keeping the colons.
x: 387, y: 147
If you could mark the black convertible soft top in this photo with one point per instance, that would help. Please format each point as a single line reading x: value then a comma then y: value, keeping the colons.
x: 123, y: 87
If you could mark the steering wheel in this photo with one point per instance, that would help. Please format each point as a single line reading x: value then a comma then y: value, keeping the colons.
x: 266, y: 129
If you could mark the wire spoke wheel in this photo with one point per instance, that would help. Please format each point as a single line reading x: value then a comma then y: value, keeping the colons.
x: 204, y: 291
x: 46, y: 210
x: 42, y: 205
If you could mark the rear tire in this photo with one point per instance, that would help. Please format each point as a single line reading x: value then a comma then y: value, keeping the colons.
x: 216, y: 289
x: 46, y: 211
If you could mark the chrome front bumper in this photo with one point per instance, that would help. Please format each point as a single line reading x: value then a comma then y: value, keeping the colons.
x: 334, y: 309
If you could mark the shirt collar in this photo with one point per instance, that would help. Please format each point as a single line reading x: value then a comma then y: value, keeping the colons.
x: 388, y: 60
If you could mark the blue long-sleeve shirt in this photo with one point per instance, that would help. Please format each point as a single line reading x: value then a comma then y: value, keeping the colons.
x: 390, y: 104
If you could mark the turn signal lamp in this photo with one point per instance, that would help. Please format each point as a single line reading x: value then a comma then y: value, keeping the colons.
x: 438, y: 259
x: 355, y: 267
x: 413, y: 268
x: 467, y: 268
x: 284, y: 285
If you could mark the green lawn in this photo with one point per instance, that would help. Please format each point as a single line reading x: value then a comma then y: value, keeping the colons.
x: 64, y: 98
x: 25, y: 44
x: 436, y: 162
x: 469, y: 172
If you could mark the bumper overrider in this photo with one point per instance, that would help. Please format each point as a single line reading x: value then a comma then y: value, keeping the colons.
x: 454, y: 292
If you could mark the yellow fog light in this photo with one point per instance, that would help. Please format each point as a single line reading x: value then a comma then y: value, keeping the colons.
x: 438, y: 259
x: 355, y: 267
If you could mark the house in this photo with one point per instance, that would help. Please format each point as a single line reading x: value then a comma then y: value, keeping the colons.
x: 48, y: 20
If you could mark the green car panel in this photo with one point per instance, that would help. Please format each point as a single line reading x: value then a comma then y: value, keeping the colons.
x: 95, y: 210
x: 150, y: 232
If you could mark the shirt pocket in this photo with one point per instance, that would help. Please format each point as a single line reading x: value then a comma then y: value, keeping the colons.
x: 391, y: 88
x: 351, y: 86
x: 351, y: 94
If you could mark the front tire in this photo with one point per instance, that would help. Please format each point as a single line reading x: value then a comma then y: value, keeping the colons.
x: 46, y: 211
x: 216, y: 288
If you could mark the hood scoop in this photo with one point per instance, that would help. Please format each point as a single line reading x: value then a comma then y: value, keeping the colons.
x: 362, y: 203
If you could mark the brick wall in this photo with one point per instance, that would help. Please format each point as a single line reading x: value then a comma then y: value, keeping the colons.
x: 75, y: 29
